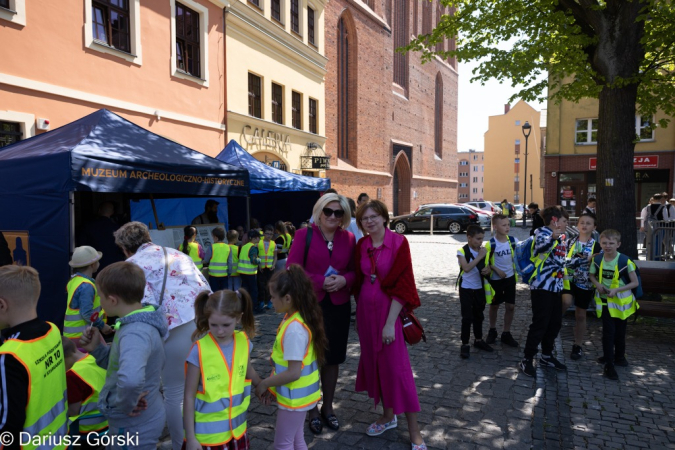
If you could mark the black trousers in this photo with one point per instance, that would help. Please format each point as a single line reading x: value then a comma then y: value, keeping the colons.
x: 613, y: 336
x: 264, y: 276
x: 472, y: 302
x: 546, y: 322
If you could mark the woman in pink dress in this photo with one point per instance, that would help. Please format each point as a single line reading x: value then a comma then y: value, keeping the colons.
x: 385, y: 285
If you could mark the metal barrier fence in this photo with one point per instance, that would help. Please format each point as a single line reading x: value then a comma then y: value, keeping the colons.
x: 660, y: 240
x: 572, y: 232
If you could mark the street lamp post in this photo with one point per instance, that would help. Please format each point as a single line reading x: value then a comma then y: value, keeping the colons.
x: 527, y: 129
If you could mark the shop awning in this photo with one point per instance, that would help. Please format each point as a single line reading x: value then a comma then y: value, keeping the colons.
x: 264, y: 178
x: 104, y: 152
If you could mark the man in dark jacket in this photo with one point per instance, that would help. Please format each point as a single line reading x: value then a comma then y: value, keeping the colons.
x: 537, y: 220
x: 5, y: 254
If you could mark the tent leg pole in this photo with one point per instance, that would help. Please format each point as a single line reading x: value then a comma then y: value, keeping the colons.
x: 248, y: 213
x: 71, y: 211
x: 154, y: 211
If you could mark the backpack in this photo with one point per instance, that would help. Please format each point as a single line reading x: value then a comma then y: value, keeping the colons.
x: 469, y: 256
x: 654, y: 216
x: 527, y: 261
x: 622, y: 265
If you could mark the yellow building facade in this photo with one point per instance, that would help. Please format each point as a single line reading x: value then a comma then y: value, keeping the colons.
x: 275, y: 82
x: 571, y: 155
x: 504, y: 156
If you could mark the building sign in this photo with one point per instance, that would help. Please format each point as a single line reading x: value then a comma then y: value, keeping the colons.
x: 261, y: 140
x: 320, y: 162
x: 639, y: 162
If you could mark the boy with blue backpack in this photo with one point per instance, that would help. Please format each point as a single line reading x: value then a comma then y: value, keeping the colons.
x: 503, y: 278
x: 614, y: 276
x: 546, y: 285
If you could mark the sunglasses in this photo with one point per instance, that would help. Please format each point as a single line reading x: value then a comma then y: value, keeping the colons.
x: 338, y: 213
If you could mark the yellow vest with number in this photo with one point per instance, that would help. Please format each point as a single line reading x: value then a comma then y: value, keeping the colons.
x: 304, y: 391
x: 193, y: 251
x: 73, y: 323
x: 266, y: 258
x: 94, y: 376
x: 623, y: 305
x: 218, y: 264
x: 245, y: 267
x: 221, y: 405
x: 47, y: 411
x: 487, y: 287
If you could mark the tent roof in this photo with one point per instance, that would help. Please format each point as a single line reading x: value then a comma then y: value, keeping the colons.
x: 104, y: 152
x: 265, y: 178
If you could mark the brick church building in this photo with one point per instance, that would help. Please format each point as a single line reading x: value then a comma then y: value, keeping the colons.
x: 391, y: 121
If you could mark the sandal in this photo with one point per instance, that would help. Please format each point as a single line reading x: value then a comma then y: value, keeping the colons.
x: 331, y: 420
x: 315, y: 425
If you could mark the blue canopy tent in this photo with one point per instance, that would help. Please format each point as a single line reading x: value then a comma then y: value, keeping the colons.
x: 286, y: 196
x: 101, y: 152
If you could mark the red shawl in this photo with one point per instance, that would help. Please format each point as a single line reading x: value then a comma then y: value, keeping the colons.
x: 399, y: 283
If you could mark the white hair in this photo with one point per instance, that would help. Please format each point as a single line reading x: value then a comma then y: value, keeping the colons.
x: 329, y: 198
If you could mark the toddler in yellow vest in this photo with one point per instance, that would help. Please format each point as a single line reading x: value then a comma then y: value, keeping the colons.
x: 84, y: 304
x: 296, y: 356
x: 85, y: 379
x: 219, y: 372
x: 32, y: 370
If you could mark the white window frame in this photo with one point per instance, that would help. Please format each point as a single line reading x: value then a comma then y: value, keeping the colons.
x: 16, y: 12
x: 25, y: 120
x: 136, y: 55
x: 464, y: 163
x: 203, y: 43
x: 463, y: 185
x: 639, y: 127
x: 588, y: 131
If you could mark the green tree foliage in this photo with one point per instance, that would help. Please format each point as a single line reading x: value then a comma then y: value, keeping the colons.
x: 621, y: 52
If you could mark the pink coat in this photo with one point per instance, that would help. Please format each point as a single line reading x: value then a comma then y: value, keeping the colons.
x: 319, y: 259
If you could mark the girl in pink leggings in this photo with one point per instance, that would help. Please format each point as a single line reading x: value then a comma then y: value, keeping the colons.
x: 297, y: 352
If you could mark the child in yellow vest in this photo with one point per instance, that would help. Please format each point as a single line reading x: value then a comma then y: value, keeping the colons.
x: 614, y: 301
x: 220, y: 261
x: 234, y: 279
x: 84, y: 305
x: 191, y: 248
x: 32, y: 370
x: 85, y: 379
x: 296, y: 356
x: 219, y: 372
x: 267, y: 251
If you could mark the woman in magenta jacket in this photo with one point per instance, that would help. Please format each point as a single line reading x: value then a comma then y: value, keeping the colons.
x: 329, y: 262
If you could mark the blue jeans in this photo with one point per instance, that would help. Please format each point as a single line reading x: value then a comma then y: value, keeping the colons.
x: 218, y: 283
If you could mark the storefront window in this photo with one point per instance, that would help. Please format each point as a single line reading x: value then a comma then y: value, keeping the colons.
x: 564, y: 177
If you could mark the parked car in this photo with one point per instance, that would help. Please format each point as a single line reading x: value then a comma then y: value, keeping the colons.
x: 448, y: 217
x: 519, y: 211
x: 484, y: 217
x: 484, y: 205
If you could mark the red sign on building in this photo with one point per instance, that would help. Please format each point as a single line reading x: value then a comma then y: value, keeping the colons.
x: 639, y: 162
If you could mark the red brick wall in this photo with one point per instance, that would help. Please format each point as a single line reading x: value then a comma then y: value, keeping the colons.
x: 381, y: 116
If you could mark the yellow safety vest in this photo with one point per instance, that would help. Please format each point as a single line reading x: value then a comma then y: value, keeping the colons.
x: 218, y: 264
x: 303, y: 392
x: 47, y: 411
x: 221, y: 405
x: 94, y: 376
x: 235, y: 260
x: 266, y: 258
x: 193, y: 251
x: 487, y: 287
x: 73, y: 323
x: 286, y: 246
x: 488, y: 247
x: 245, y: 267
x: 623, y: 305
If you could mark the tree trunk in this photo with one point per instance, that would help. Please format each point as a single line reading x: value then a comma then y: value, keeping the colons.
x: 615, y: 175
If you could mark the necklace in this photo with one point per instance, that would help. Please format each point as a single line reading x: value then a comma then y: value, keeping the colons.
x: 329, y: 244
x: 373, y: 262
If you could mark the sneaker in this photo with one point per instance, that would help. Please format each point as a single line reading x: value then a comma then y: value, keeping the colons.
x: 550, y: 361
x: 422, y: 446
x: 621, y: 362
x: 576, y: 352
x: 610, y: 372
x: 465, y: 352
x: 269, y: 305
x: 482, y: 345
x: 375, y: 429
x: 527, y: 367
x: 507, y: 339
x: 492, y: 336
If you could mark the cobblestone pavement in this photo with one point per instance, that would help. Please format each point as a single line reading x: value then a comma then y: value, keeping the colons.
x: 484, y: 402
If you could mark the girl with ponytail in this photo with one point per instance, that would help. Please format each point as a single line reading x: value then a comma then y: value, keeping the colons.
x: 191, y: 248
x: 219, y: 371
x: 298, y: 351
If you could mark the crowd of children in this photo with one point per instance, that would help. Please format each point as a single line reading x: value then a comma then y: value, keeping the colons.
x: 578, y: 269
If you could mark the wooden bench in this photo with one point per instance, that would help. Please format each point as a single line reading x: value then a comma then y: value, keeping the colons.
x: 658, y: 277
